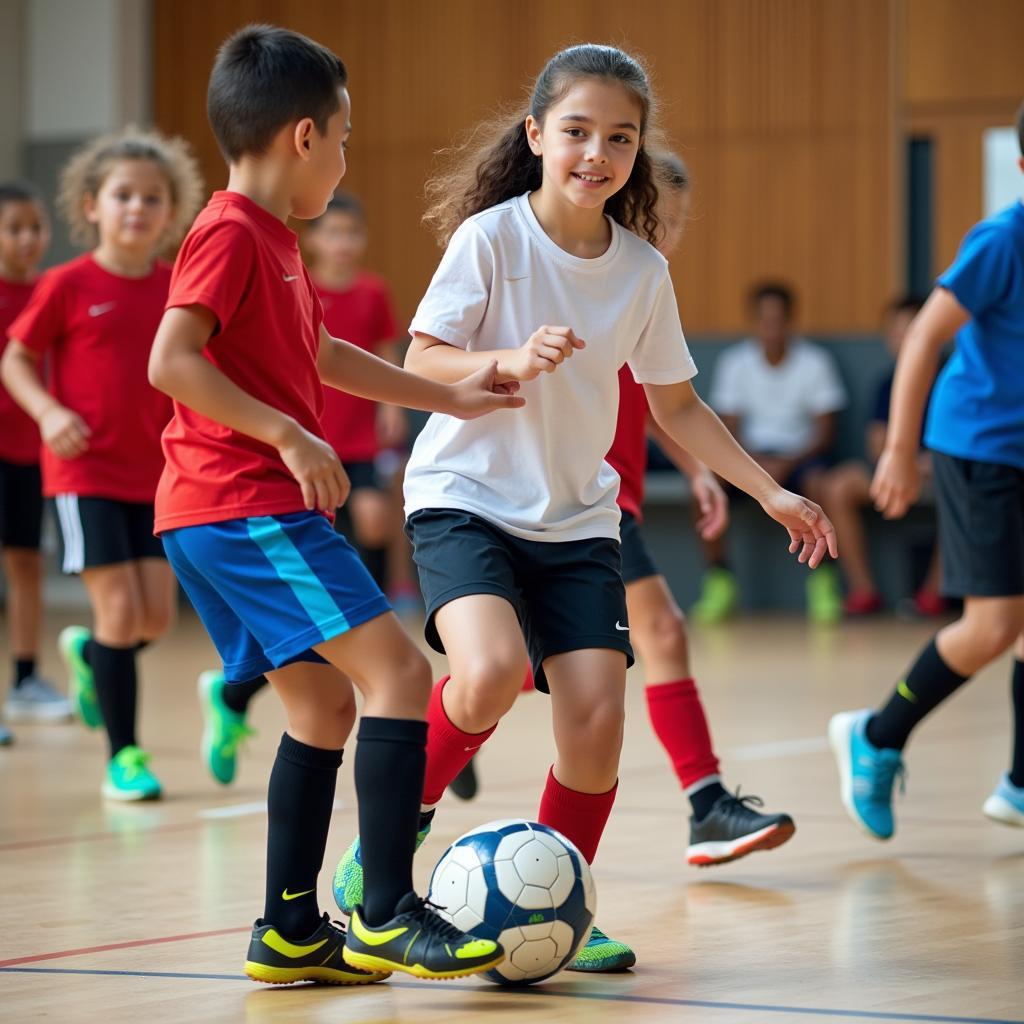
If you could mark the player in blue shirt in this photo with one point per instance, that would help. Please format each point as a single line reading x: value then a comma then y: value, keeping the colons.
x: 975, y: 429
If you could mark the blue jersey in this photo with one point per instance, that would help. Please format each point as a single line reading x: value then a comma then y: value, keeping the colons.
x: 977, y: 407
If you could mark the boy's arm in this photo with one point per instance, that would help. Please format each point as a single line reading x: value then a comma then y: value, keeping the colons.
x: 692, y: 424
x: 897, y: 479
x: 178, y: 367
x: 63, y: 431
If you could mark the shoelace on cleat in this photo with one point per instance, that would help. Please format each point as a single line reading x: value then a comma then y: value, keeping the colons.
x: 882, y: 777
x: 238, y: 733
x: 434, y: 924
x: 132, y: 763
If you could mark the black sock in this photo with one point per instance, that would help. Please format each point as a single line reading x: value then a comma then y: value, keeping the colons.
x: 391, y: 758
x: 238, y: 695
x: 928, y: 683
x: 705, y: 798
x: 23, y: 668
x: 1017, y: 688
x: 299, y: 803
x: 117, y: 688
x: 87, y: 652
x: 426, y: 817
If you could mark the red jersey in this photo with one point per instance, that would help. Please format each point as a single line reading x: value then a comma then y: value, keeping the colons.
x: 243, y: 264
x: 361, y: 314
x: 19, y: 435
x: 628, y: 453
x: 96, y: 329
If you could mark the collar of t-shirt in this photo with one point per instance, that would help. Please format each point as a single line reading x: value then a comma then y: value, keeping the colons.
x: 266, y: 220
x: 555, y: 251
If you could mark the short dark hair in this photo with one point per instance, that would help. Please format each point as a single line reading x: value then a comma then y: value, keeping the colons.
x: 1020, y: 128
x: 772, y: 290
x: 265, y: 77
x: 18, y: 192
x: 909, y: 303
x: 344, y: 202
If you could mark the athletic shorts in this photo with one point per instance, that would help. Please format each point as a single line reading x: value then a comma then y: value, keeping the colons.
x: 104, y: 531
x: 981, y: 527
x: 270, y: 588
x: 637, y: 560
x: 568, y: 595
x: 21, y: 505
x: 362, y: 476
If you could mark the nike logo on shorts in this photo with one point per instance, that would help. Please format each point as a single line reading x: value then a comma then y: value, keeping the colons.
x: 621, y: 629
x: 101, y: 308
x: 290, y: 277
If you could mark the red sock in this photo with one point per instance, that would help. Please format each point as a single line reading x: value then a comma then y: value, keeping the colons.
x: 679, y: 722
x: 580, y: 817
x: 528, y: 683
x: 449, y: 749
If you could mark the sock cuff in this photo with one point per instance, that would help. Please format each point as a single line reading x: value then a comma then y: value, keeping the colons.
x: 305, y: 756
x: 440, y: 721
x: 98, y: 646
x: 703, y: 783
x: 393, y: 730
x: 563, y: 797
x: 931, y: 652
x: 674, y: 688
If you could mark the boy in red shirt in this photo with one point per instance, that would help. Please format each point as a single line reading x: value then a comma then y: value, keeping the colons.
x: 24, y: 237
x: 243, y: 508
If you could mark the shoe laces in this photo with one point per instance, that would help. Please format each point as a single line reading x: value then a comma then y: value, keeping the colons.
x: 434, y: 924
x: 236, y: 734
x: 886, y: 771
x: 132, y: 762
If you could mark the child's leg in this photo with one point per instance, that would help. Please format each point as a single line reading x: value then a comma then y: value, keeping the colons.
x: 1016, y: 772
x: 374, y: 524
x: 23, y: 573
x: 845, y: 493
x: 158, y: 591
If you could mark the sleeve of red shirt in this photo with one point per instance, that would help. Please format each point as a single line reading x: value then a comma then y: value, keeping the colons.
x: 214, y: 269
x: 41, y: 322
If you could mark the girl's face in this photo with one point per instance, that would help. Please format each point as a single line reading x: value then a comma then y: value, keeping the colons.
x: 24, y: 237
x: 133, y: 208
x: 588, y: 141
x: 673, y: 212
x: 337, y: 242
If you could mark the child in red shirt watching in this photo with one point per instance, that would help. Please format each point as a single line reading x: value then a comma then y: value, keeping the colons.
x: 93, y: 319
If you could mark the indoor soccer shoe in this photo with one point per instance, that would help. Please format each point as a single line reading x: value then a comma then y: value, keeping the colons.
x: 602, y: 955
x: 129, y: 779
x: 81, y: 685
x: 418, y: 941
x: 35, y: 700
x: 1006, y: 804
x: 348, y: 876
x: 732, y: 829
x: 718, y: 597
x: 866, y: 773
x: 224, y: 729
x: 276, y: 961
x: 465, y: 784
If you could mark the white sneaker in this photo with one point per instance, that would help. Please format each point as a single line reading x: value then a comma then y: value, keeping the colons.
x: 36, y: 701
x: 1006, y: 804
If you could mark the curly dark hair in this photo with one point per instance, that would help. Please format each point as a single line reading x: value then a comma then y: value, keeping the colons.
x: 494, y: 162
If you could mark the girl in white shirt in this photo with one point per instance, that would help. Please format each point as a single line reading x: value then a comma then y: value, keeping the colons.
x: 550, y: 223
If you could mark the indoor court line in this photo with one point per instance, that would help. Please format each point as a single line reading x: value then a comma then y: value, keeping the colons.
x: 90, y: 837
x: 540, y: 993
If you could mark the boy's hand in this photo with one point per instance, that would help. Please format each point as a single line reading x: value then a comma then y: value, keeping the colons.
x: 810, y: 532
x: 316, y: 466
x: 480, y: 393
x: 64, y: 432
x: 896, y: 484
x: 543, y: 351
x: 712, y: 502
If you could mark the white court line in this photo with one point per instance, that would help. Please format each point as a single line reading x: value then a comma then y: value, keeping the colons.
x: 784, y: 748
x: 242, y: 810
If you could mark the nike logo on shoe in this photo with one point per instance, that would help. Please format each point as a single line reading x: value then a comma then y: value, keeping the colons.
x: 373, y: 938
x: 286, y: 895
x: 621, y: 629
x: 290, y: 277
x: 101, y: 308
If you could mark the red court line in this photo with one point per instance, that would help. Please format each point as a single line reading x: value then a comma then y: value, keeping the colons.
x: 35, y: 958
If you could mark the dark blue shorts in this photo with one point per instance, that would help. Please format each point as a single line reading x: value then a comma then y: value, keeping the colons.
x: 270, y: 588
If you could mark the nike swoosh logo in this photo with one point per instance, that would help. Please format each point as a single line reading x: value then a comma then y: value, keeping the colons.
x: 621, y: 629
x: 290, y: 949
x: 290, y: 277
x: 906, y: 692
x: 286, y: 895
x: 477, y: 747
x: 103, y: 307
x: 363, y: 934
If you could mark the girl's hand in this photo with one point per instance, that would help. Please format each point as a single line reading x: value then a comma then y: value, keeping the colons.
x: 64, y: 432
x: 712, y: 502
x: 810, y: 532
x: 543, y: 351
x: 481, y: 393
x: 316, y: 466
x: 896, y: 484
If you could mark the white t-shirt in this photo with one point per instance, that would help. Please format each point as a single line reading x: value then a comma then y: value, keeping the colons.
x: 539, y: 472
x: 777, y: 405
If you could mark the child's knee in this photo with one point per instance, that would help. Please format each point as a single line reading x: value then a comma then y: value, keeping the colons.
x: 22, y: 566
x: 485, y: 688
x: 595, y: 732
x: 156, y: 622
x: 119, y: 617
x: 662, y: 635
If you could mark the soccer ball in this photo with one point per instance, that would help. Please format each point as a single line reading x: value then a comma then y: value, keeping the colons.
x: 524, y: 885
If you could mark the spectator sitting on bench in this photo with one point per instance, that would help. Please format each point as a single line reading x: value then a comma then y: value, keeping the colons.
x: 845, y: 491
x: 779, y: 395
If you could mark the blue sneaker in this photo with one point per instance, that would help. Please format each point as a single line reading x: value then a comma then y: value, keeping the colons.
x: 1006, y: 804
x: 866, y: 774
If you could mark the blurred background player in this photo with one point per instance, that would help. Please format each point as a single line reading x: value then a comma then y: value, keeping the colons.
x: 24, y: 237
x: 779, y: 394
x: 127, y: 196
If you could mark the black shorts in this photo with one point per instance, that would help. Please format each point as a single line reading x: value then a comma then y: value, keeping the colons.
x: 981, y: 527
x: 637, y: 560
x: 568, y: 595
x: 362, y: 476
x: 21, y: 505
x: 103, y: 531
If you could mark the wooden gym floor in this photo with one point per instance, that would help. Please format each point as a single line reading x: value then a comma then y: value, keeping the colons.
x: 141, y: 913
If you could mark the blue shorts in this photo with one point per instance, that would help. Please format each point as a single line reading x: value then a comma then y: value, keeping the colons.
x: 270, y: 588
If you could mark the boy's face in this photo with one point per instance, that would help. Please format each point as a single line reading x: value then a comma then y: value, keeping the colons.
x: 133, y: 208
x: 337, y: 243
x: 323, y: 165
x: 771, y: 320
x: 896, y: 329
x: 24, y: 237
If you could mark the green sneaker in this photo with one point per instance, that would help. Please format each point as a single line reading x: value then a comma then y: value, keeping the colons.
x: 81, y: 685
x: 128, y: 778
x: 824, y: 599
x: 348, y: 876
x: 602, y: 955
x: 718, y: 597
x: 224, y: 729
